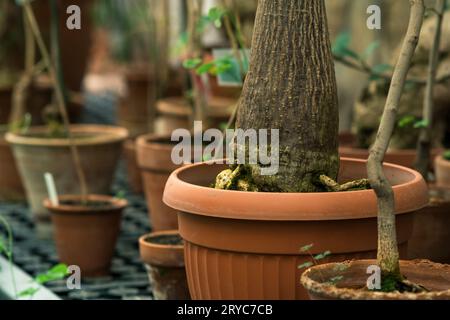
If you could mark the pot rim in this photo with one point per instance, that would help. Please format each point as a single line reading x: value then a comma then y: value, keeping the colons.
x: 206, y: 201
x: 115, y: 204
x: 149, y: 245
x: 332, y: 292
x: 101, y: 134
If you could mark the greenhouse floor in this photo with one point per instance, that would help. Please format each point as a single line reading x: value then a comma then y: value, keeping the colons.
x: 128, y: 278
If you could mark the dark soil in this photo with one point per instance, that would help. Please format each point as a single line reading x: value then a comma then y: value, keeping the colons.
x: 172, y: 240
x: 89, y: 204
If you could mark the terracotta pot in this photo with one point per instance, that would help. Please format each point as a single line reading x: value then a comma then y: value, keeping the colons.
x: 163, y: 255
x: 136, y: 110
x: 431, y: 235
x: 11, y: 188
x: 133, y: 172
x: 99, y: 148
x: 175, y: 112
x: 154, y: 159
x: 442, y: 168
x: 404, y: 158
x: 244, y: 245
x: 86, y: 236
x: 433, y: 276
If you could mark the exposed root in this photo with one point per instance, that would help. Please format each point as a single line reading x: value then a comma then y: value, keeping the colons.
x: 235, y: 179
x: 333, y: 186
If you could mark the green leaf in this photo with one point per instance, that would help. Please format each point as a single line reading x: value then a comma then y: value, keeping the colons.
x: 421, y: 124
x: 321, y: 256
x: 205, y: 68
x: 406, y: 121
x: 192, y: 63
x: 380, y: 69
x: 306, y: 265
x: 371, y: 49
x: 335, y: 280
x: 340, y: 267
x: 28, y: 292
x: 341, y: 44
x: 447, y: 155
x: 306, y: 248
x: 215, y: 15
x: 58, y: 272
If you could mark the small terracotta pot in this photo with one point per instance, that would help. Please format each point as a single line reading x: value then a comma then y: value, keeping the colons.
x: 431, y: 236
x: 435, y: 277
x: 442, y: 168
x: 35, y: 154
x: 154, y: 159
x: 406, y: 158
x: 246, y: 245
x: 133, y: 172
x: 86, y: 236
x: 136, y: 111
x: 175, y: 113
x: 164, y: 260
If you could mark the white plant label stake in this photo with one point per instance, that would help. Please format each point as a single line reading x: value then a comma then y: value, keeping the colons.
x: 51, y: 188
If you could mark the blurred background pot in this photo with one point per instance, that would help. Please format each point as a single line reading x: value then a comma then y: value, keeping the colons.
x: 134, y: 173
x: 36, y: 153
x: 246, y: 245
x: 154, y: 159
x: 86, y: 234
x: 163, y: 255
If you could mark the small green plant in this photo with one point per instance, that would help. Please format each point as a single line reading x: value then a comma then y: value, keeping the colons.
x: 447, y: 155
x: 315, y: 260
x: 58, y: 272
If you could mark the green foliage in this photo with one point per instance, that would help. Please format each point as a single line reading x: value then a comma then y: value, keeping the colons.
x: 341, y: 46
x: 412, y: 122
x: 379, y: 69
x: 306, y: 265
x: 322, y: 256
x: 120, y: 194
x: 192, y: 63
x: 446, y: 155
x: 306, y: 248
x: 58, y: 272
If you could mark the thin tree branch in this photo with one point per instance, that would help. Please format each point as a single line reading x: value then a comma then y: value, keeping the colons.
x: 388, y: 255
x: 424, y: 143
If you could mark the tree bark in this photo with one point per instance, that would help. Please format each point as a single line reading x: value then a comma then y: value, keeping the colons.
x: 388, y: 256
x: 291, y: 86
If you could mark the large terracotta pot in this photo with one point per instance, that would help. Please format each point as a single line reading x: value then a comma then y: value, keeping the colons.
x: 133, y: 171
x: 154, y: 159
x: 137, y: 109
x: 406, y: 158
x: 39, y: 96
x: 244, y: 245
x: 86, y: 234
x: 435, y: 277
x: 163, y: 255
x: 175, y: 113
x: 442, y: 167
x: 431, y: 235
x: 99, y: 148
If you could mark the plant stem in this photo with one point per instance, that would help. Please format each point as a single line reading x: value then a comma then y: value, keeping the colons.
x: 388, y: 256
x: 59, y: 97
x: 424, y: 143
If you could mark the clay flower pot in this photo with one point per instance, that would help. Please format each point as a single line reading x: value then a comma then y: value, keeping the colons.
x: 245, y: 245
x: 431, y: 234
x: 435, y: 277
x: 133, y: 172
x: 154, y: 159
x: 11, y: 188
x: 86, y: 235
x: 136, y: 110
x: 442, y: 167
x: 163, y: 255
x: 99, y: 148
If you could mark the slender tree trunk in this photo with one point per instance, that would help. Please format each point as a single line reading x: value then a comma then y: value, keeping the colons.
x: 424, y: 143
x: 291, y: 86
x: 388, y: 256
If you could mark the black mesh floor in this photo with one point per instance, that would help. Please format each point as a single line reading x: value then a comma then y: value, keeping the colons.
x: 128, y: 278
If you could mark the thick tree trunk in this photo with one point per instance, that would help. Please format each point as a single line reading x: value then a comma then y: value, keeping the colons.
x: 291, y: 86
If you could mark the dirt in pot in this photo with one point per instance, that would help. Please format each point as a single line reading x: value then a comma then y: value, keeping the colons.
x: 89, y: 203
x: 166, y: 239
